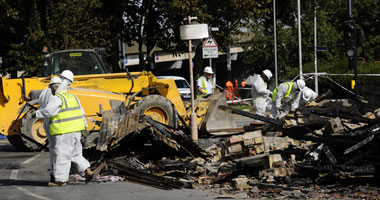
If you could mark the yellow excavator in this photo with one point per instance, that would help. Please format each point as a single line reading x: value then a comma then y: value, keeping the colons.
x: 99, y: 90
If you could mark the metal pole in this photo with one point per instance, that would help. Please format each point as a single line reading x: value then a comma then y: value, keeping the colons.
x: 315, y: 48
x: 275, y: 41
x: 193, y: 116
x: 214, y: 70
x: 299, y: 37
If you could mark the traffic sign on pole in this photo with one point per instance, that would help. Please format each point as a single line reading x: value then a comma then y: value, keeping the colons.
x: 210, y: 48
x: 210, y: 42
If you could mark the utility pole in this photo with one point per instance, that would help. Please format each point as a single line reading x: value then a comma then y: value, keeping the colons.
x: 275, y: 41
x: 315, y: 49
x: 299, y: 37
x: 189, y: 32
x: 350, y: 34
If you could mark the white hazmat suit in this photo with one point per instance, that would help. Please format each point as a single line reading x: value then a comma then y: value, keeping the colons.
x: 282, y: 103
x: 43, y: 100
x: 303, y: 97
x: 259, y: 94
x: 68, y: 147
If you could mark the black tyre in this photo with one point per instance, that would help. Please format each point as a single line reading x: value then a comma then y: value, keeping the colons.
x: 33, y: 128
x: 158, y: 108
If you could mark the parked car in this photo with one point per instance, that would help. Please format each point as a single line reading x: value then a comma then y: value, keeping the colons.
x: 182, y: 85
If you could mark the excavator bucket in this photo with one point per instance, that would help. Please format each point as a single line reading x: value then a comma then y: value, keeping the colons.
x: 217, y: 121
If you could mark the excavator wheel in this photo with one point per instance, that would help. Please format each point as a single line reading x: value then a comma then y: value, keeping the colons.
x: 158, y: 108
x: 33, y: 128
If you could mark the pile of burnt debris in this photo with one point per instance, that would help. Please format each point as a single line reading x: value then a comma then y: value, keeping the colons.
x: 317, y: 150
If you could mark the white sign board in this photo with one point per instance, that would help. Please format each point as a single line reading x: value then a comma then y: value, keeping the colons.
x: 210, y: 52
x: 210, y: 48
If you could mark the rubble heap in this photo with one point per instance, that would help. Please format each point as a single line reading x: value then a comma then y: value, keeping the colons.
x: 305, y: 155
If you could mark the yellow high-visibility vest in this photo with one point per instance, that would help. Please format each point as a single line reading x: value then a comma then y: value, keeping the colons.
x: 204, y: 87
x: 289, y: 85
x: 69, y: 118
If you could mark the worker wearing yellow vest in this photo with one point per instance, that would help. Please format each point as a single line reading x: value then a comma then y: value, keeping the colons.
x: 43, y: 100
x: 66, y: 121
x: 204, y: 83
x: 283, y: 96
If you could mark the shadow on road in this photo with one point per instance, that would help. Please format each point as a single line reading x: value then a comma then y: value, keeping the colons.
x: 10, y: 182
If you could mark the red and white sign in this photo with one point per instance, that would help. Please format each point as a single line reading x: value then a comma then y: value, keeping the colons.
x: 210, y: 42
x: 210, y: 48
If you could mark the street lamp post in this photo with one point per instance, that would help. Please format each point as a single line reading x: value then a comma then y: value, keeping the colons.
x: 191, y: 32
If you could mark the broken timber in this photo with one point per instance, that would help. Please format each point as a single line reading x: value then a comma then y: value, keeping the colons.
x: 146, y: 178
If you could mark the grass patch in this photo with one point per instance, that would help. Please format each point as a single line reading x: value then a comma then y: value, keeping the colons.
x: 242, y: 107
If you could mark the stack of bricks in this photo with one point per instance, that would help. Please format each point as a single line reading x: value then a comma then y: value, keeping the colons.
x: 249, y: 143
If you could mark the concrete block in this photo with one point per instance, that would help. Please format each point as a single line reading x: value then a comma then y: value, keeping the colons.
x: 248, y: 142
x: 258, y: 140
x: 268, y: 163
x: 240, y: 182
x: 235, y: 148
x: 253, y: 134
x: 236, y: 139
x: 259, y: 148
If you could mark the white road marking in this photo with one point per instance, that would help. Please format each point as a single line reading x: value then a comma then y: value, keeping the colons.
x: 27, y: 192
x: 31, y: 159
x: 13, y: 176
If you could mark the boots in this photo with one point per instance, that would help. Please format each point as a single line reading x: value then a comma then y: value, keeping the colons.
x: 89, y: 175
x: 57, y: 184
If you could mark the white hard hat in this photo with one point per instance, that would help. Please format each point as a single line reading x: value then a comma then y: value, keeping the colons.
x: 67, y: 74
x: 268, y: 73
x: 55, y: 80
x: 301, y: 84
x: 306, y: 95
x: 208, y: 70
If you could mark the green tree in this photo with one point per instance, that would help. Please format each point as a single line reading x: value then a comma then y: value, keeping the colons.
x: 57, y: 25
x: 155, y: 23
x: 330, y: 17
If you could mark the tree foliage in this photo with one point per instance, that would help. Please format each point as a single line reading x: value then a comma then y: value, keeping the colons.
x: 330, y: 18
x: 57, y: 25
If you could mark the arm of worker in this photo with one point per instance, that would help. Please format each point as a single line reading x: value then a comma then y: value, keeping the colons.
x: 297, y: 100
x: 260, y: 87
x: 199, y: 86
x: 280, y: 93
x: 314, y: 95
x: 83, y: 113
x: 51, y: 109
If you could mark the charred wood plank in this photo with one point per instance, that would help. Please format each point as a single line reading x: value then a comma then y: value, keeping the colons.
x: 183, y: 140
x: 144, y: 177
x: 253, y: 116
x: 367, y: 140
x: 341, y: 114
x: 329, y: 155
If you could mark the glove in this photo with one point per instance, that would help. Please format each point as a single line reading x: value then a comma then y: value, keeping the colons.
x: 33, y: 114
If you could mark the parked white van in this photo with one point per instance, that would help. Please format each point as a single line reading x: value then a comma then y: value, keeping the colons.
x: 182, y: 85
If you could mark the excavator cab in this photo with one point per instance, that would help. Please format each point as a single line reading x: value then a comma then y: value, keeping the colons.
x: 79, y: 61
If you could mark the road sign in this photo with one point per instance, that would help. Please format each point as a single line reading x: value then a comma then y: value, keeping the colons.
x: 210, y: 52
x: 322, y: 48
x: 319, y: 48
x: 210, y: 48
x: 210, y: 42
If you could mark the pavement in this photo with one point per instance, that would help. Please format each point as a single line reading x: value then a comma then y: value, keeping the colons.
x: 24, y: 175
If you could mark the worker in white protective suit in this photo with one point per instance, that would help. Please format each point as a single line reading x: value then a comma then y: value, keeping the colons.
x: 260, y: 91
x: 283, y: 96
x: 303, y: 97
x: 43, y: 100
x: 66, y: 121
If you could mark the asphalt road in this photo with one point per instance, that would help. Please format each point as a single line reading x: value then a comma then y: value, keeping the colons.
x: 24, y: 175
